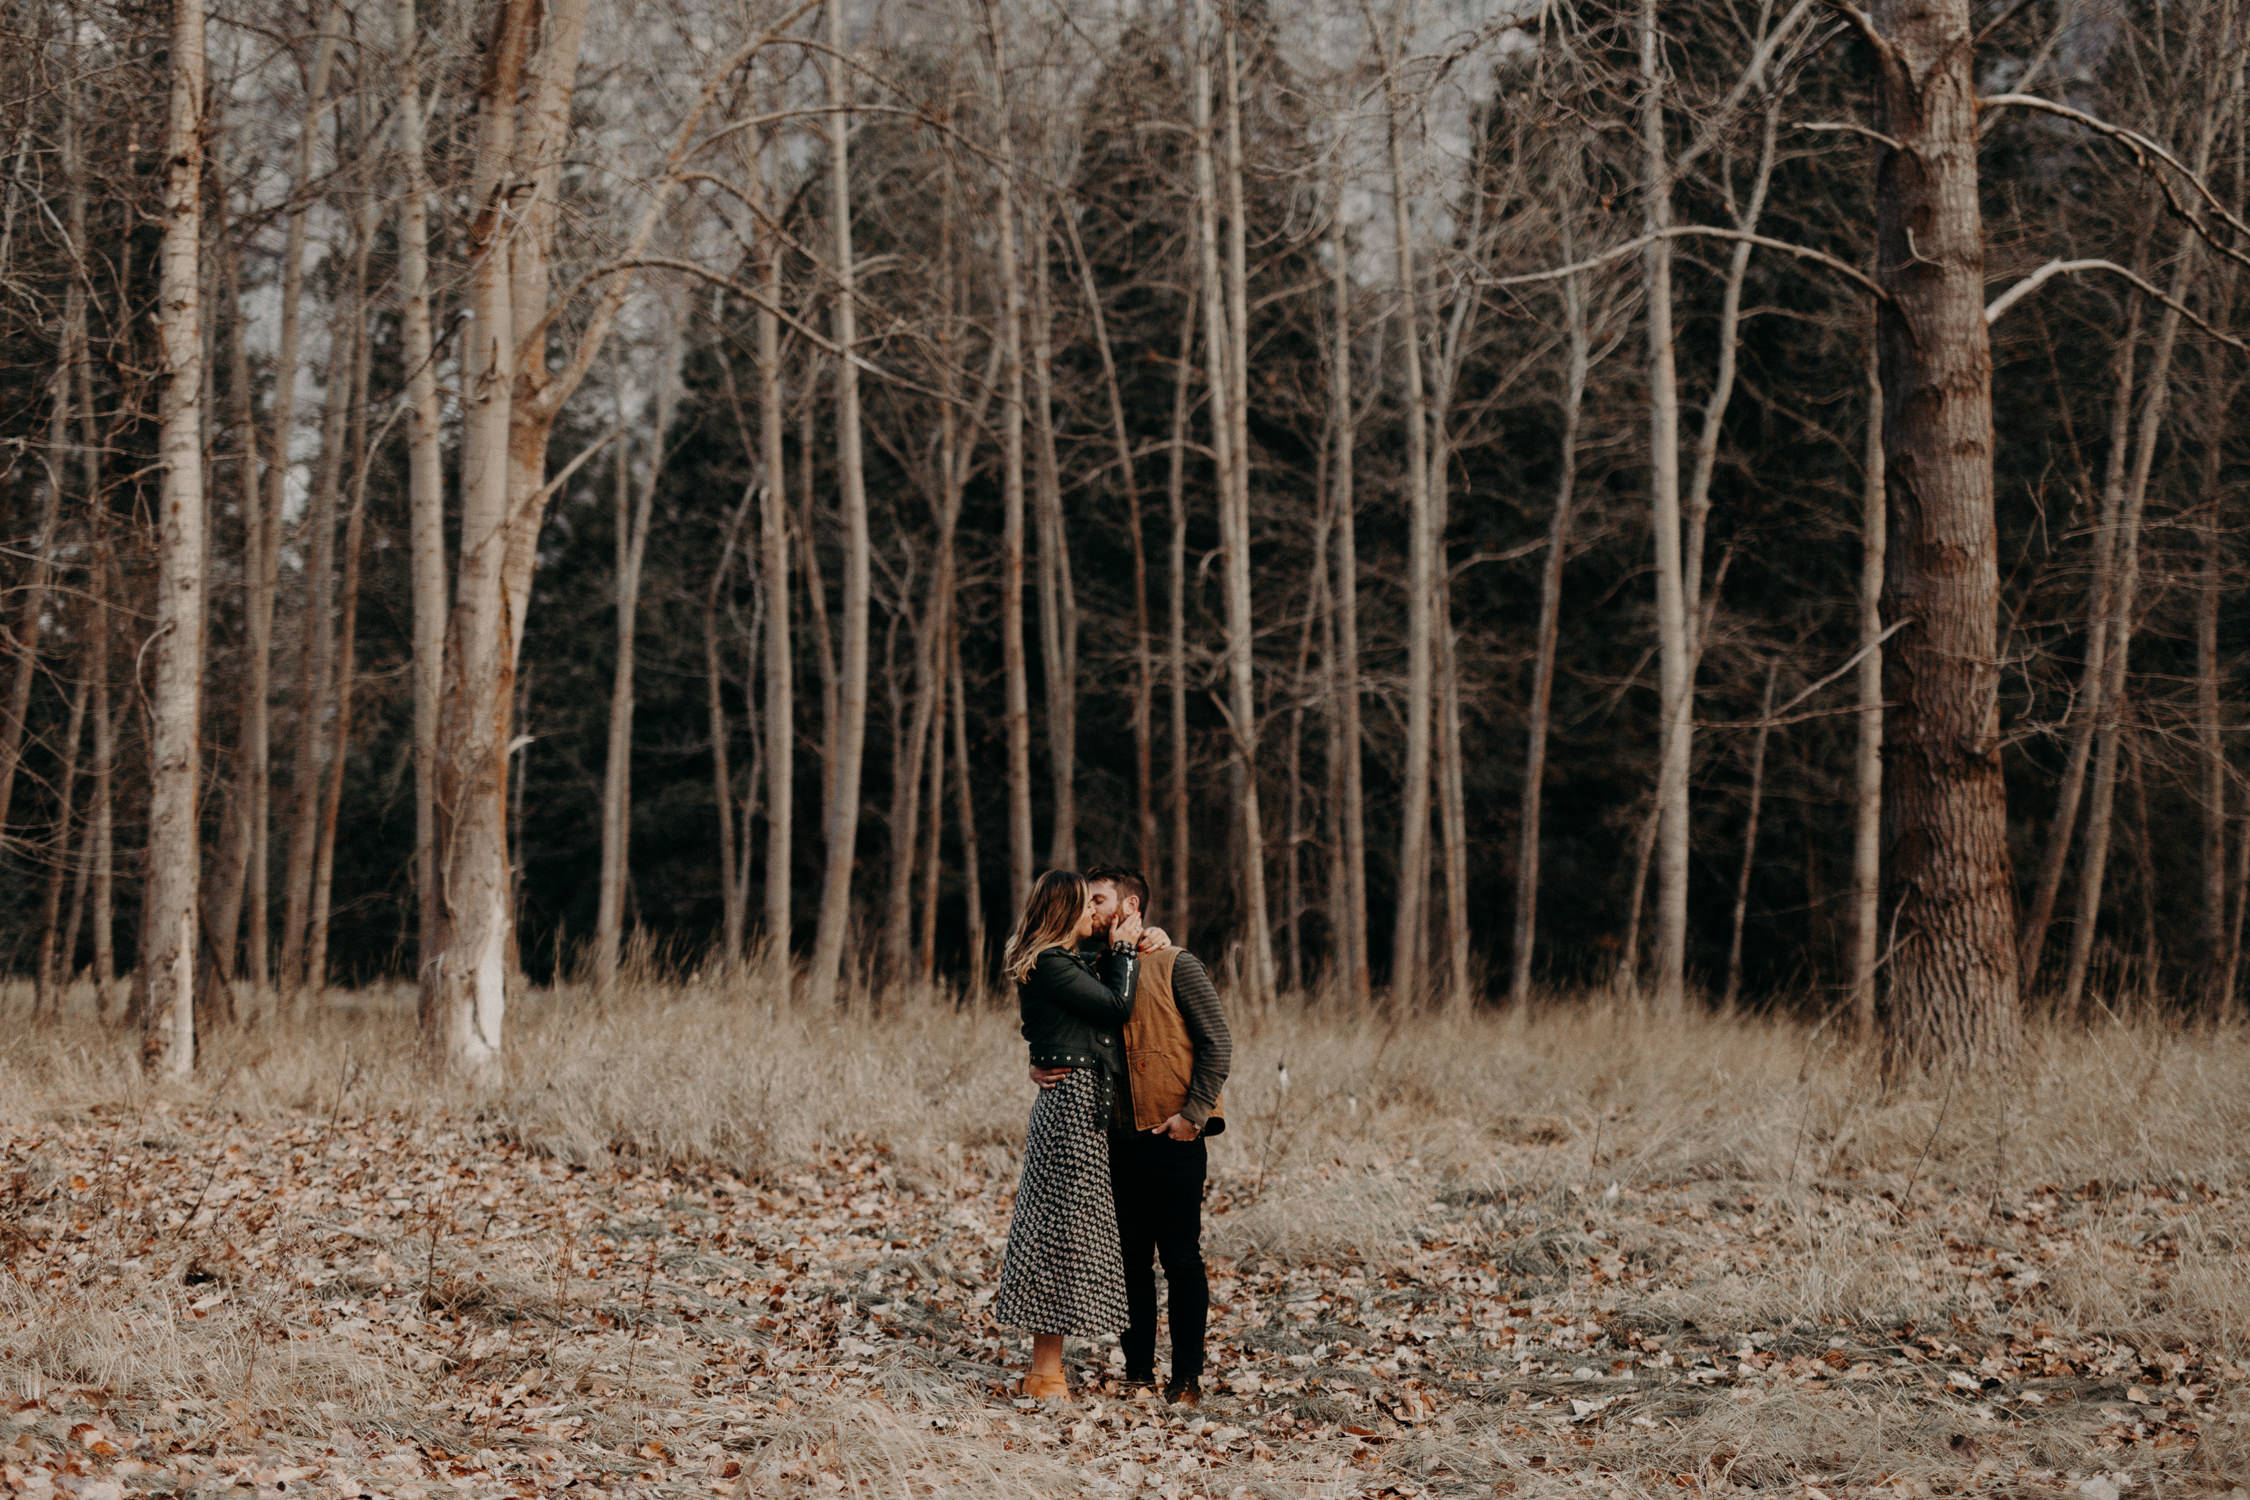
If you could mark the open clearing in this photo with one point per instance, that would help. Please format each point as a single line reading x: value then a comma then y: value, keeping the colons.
x: 696, y: 1246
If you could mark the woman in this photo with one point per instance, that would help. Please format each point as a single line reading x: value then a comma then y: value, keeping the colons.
x: 1063, y: 1274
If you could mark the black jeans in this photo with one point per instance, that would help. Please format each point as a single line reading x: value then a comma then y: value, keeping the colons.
x: 1158, y: 1183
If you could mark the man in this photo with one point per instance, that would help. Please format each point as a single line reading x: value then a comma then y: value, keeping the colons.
x: 1177, y: 1052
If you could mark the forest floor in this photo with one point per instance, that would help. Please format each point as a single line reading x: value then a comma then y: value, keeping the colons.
x: 696, y: 1246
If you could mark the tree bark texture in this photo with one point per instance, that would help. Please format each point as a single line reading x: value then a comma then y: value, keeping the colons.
x: 1952, y: 997
x: 169, y: 901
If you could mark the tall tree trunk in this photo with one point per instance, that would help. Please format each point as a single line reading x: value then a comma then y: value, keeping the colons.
x: 47, y: 984
x: 166, y: 976
x: 1675, y: 663
x: 258, y: 688
x: 317, y: 649
x: 2125, y: 587
x: 97, y: 859
x: 1525, y: 935
x: 1017, y: 710
x: 2093, y: 674
x: 2211, y: 750
x: 469, y: 964
x: 1128, y: 475
x: 346, y: 682
x: 1407, y: 933
x: 733, y: 919
x: 1953, y: 992
x: 1867, y: 762
x: 33, y: 609
x: 102, y: 837
x: 1234, y: 538
x: 224, y: 885
x: 1058, y: 594
x: 843, y: 812
x: 933, y: 831
x: 1180, y: 906
x: 972, y: 879
x: 1749, y: 864
x: 633, y: 512
x: 773, y: 546
x: 1344, y: 704
x: 425, y: 477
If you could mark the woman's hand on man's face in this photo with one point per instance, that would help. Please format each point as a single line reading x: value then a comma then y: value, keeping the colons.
x: 1125, y: 931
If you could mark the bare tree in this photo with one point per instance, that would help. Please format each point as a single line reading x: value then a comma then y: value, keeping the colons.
x: 1018, y: 707
x: 1421, y: 574
x: 166, y: 976
x: 1867, y: 761
x: 843, y: 811
x: 633, y: 510
x: 425, y: 491
x: 1348, y: 738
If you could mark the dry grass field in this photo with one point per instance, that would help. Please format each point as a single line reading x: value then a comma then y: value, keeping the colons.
x: 697, y: 1245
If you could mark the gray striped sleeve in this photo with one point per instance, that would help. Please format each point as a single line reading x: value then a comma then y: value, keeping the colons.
x: 1206, y: 1021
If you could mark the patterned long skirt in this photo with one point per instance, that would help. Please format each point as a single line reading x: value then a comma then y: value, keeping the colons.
x: 1063, y: 1272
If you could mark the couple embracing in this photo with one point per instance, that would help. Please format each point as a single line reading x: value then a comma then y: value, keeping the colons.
x: 1129, y: 1047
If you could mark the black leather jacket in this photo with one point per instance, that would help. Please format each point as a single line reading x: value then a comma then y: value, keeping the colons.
x: 1073, y: 1008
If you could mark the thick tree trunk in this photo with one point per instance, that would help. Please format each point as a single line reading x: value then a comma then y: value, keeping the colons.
x: 425, y: 499
x: 470, y: 960
x: 1525, y: 936
x: 166, y: 975
x: 1867, y: 761
x: 843, y: 812
x: 1952, y: 997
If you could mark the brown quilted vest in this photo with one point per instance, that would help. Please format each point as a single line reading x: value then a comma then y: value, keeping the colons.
x: 1159, y: 1053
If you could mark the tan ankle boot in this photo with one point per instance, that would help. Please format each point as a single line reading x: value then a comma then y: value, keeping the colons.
x: 1054, y: 1389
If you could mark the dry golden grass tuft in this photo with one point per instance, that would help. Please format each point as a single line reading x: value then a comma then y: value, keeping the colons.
x: 701, y: 1242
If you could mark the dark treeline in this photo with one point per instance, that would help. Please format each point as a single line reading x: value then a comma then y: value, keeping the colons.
x: 1443, y: 436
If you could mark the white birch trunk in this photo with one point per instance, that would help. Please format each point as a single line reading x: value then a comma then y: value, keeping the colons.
x: 168, y: 943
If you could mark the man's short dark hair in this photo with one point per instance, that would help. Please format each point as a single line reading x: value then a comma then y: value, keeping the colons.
x: 1129, y: 882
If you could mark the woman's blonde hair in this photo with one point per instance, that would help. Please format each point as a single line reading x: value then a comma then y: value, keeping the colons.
x: 1049, y: 920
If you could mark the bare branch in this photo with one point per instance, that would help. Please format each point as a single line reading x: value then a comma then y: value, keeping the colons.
x: 2054, y: 268
x: 1633, y: 246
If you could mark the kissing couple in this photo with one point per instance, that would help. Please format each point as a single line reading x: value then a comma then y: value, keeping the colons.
x: 1129, y: 1047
